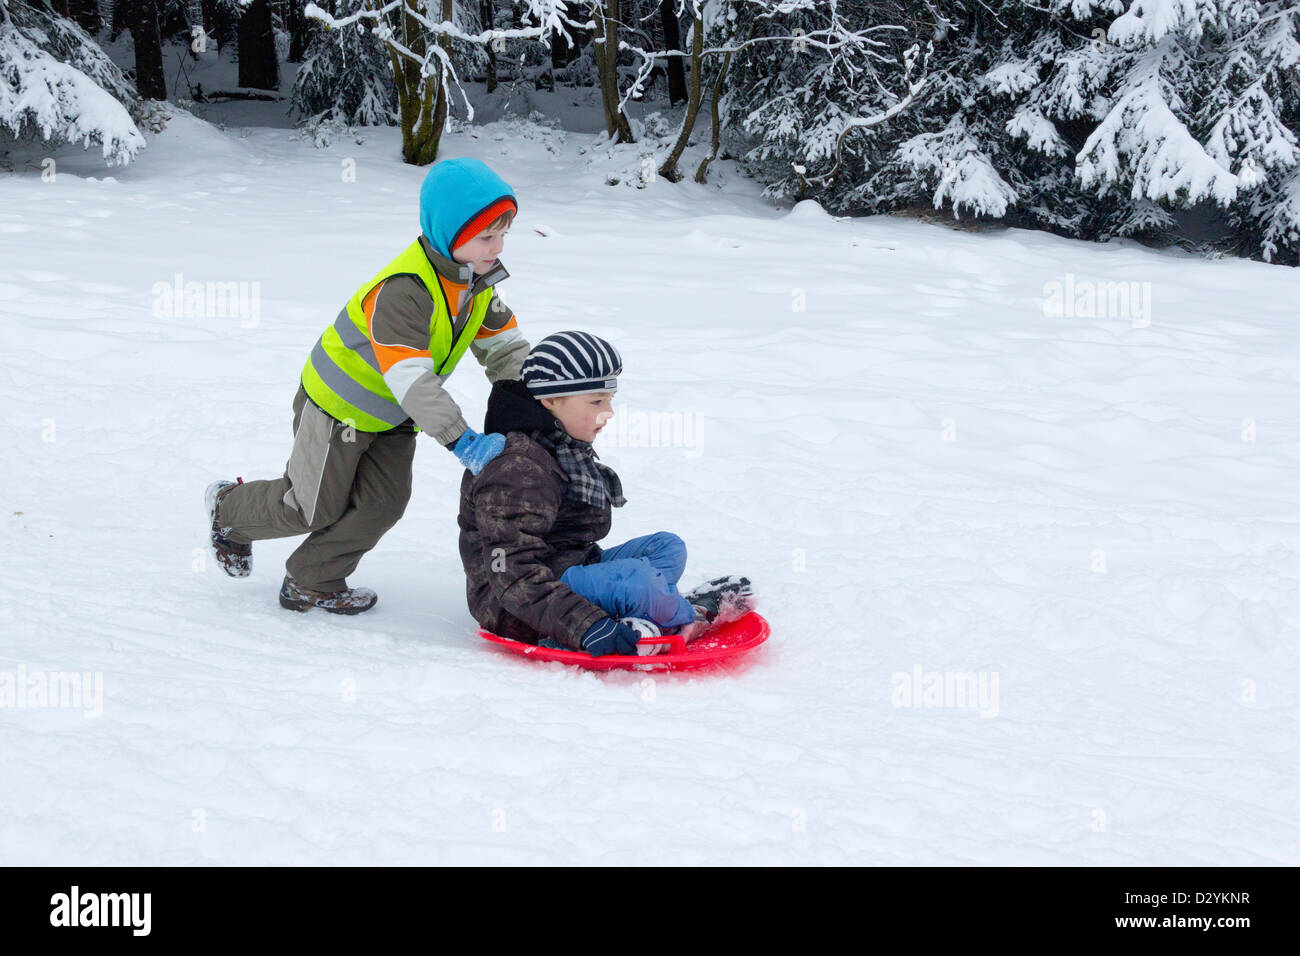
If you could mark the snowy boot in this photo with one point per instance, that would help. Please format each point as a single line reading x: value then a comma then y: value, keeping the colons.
x: 643, y: 629
x: 235, y: 559
x: 295, y: 597
x: 717, y: 602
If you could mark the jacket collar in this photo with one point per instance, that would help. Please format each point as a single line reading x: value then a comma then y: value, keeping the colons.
x: 462, y: 273
x: 512, y: 408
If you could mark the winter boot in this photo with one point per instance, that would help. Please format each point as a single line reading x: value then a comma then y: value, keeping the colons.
x: 295, y: 597
x: 717, y: 602
x: 235, y: 559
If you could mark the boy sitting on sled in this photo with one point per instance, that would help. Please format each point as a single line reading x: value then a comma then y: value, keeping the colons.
x: 531, y: 519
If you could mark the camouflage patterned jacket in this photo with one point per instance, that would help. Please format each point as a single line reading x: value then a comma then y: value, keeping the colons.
x: 519, y: 533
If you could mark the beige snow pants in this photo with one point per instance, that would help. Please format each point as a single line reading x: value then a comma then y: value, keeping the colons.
x: 343, y: 488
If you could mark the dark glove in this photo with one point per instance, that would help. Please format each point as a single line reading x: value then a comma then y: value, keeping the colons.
x: 609, y: 636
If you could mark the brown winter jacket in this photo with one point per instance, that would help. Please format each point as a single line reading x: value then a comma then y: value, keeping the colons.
x: 519, y: 533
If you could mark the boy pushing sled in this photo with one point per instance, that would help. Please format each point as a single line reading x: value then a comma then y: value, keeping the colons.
x: 373, y: 378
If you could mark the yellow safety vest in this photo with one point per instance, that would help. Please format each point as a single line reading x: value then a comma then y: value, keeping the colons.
x: 342, y: 374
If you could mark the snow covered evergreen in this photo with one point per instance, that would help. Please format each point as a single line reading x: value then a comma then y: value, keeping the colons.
x: 346, y: 76
x: 1086, y: 117
x: 1094, y: 119
x: 57, y: 85
x: 804, y: 72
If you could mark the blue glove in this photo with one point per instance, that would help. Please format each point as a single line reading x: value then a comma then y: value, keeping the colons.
x: 609, y: 636
x: 475, y: 450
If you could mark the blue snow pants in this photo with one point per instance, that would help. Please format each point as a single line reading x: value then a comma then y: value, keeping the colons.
x: 637, y: 579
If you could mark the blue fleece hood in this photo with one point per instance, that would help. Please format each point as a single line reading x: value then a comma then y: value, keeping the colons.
x: 456, y: 192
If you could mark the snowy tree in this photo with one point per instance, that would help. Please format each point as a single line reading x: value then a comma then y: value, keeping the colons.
x: 1106, y: 118
x: 953, y: 164
x: 1093, y: 118
x: 417, y: 36
x: 1143, y: 145
x: 346, y: 77
x: 1185, y: 102
x: 1251, y: 115
x: 57, y: 85
x: 811, y: 79
x: 1273, y: 215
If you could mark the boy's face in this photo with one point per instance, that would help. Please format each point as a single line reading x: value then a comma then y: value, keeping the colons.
x: 583, y: 416
x: 483, y: 249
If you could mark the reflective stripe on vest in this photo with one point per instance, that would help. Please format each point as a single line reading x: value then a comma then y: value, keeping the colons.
x: 342, y: 373
x: 348, y: 388
x: 354, y: 338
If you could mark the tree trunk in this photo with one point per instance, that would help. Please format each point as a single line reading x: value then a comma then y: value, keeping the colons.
x: 442, y: 98
x: 486, y: 14
x: 119, y: 19
x: 417, y: 96
x: 259, y: 67
x: 669, y: 168
x: 701, y: 174
x: 673, y: 41
x: 149, y: 79
x: 559, y: 52
x: 564, y: 52
x: 217, y: 23
x: 703, y: 169
x: 616, y: 124
x: 299, y: 28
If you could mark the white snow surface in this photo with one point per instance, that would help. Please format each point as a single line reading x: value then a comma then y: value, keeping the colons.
x: 919, y: 469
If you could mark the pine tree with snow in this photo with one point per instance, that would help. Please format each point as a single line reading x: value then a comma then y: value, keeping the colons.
x: 1186, y: 104
x: 1092, y: 118
x: 346, y: 77
x: 58, y: 86
x: 420, y: 38
x: 1251, y: 114
x: 806, y: 76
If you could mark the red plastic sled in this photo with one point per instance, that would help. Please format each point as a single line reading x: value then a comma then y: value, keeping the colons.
x: 727, y: 640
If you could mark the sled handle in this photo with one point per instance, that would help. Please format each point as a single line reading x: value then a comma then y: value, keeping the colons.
x: 677, y: 641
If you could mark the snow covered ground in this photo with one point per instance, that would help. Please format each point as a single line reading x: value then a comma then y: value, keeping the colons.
x: 927, y: 476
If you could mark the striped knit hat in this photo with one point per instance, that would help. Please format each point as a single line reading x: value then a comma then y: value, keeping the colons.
x: 571, y: 363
